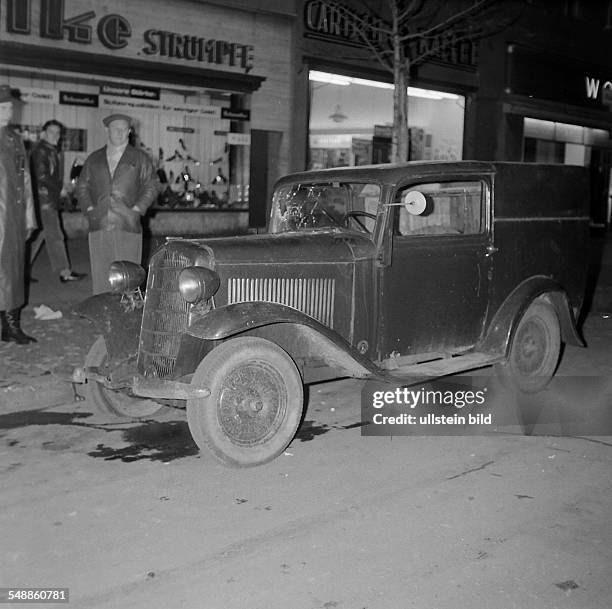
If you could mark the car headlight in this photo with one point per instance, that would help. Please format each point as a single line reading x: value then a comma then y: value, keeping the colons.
x: 198, y: 283
x: 125, y: 276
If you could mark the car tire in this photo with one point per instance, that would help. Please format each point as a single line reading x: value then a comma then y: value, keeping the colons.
x: 108, y: 401
x: 255, y: 405
x: 534, y: 352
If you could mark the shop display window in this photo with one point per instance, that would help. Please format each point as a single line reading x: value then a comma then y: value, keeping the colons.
x: 201, y: 158
x: 554, y: 142
x: 350, y: 122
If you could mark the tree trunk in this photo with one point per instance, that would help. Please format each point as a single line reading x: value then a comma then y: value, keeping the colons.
x: 400, y: 118
x: 399, y: 142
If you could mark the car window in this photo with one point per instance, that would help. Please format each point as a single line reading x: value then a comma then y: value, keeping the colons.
x: 440, y: 208
x: 325, y: 205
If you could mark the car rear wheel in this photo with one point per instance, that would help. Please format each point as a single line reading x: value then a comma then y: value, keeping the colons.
x: 535, y: 349
x: 255, y: 404
x: 115, y: 402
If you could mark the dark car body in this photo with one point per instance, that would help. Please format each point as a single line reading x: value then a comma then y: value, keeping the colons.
x: 392, y: 271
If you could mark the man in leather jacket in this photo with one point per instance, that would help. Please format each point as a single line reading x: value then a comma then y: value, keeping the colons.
x: 48, y: 181
x: 117, y: 185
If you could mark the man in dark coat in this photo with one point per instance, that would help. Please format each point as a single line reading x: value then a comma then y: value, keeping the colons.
x: 48, y: 182
x: 117, y: 185
x: 17, y: 221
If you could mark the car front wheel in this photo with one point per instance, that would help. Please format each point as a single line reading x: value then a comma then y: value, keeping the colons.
x: 118, y: 403
x: 535, y: 349
x: 255, y: 404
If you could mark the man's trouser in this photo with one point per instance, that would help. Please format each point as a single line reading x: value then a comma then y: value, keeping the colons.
x: 106, y: 247
x: 53, y: 237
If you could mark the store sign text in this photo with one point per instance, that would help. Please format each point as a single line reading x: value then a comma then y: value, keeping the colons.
x: 332, y: 23
x: 127, y: 90
x: 69, y: 98
x: 33, y: 95
x: 324, y: 21
x: 114, y: 32
x: 192, y: 48
x: 594, y: 86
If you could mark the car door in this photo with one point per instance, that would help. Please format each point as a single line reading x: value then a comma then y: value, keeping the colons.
x: 435, y: 287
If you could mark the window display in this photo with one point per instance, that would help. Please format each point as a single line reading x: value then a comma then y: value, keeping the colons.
x: 197, y: 139
x: 351, y: 120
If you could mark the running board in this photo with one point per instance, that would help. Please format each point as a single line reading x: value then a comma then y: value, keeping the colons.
x: 427, y: 371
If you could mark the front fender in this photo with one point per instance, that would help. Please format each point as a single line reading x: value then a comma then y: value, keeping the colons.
x: 300, y: 335
x: 235, y: 318
x: 502, y: 327
x: 117, y: 319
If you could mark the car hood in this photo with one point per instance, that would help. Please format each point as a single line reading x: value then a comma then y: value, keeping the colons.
x: 315, y: 246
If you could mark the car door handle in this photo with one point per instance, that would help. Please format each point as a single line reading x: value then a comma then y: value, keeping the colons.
x: 491, y: 249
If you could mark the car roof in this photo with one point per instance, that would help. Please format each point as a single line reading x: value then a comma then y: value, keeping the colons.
x: 389, y: 173
x: 392, y: 173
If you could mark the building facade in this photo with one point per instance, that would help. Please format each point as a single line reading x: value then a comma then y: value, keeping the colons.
x: 207, y: 83
x: 228, y: 95
x: 537, y: 88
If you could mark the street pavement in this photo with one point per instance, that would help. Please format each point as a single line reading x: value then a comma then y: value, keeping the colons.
x: 131, y: 515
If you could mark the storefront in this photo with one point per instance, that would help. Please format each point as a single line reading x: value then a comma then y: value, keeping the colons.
x: 346, y: 97
x: 199, y: 79
x: 484, y: 99
x: 558, y: 110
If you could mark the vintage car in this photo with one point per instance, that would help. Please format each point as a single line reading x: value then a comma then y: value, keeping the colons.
x: 395, y: 272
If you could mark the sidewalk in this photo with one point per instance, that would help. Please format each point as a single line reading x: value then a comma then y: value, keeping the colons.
x: 37, y: 376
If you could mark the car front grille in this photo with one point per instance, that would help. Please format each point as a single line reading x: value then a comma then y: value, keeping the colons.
x: 165, y: 314
x: 314, y: 296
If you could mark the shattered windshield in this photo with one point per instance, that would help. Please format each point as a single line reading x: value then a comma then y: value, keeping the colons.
x: 325, y: 205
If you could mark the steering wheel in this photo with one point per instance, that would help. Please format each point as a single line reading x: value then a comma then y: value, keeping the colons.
x: 355, y: 215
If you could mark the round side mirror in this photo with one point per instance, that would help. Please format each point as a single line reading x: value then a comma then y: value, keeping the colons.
x: 414, y: 202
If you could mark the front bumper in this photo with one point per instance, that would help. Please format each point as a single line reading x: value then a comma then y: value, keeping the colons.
x: 141, y: 386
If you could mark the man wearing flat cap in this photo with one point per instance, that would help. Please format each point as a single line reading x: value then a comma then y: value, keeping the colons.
x: 17, y: 221
x: 117, y: 185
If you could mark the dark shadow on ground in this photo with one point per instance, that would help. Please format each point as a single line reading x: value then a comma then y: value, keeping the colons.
x: 152, y: 441
x: 13, y: 420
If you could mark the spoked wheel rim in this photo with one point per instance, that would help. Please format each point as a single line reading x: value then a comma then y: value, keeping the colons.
x: 252, y: 404
x: 533, y: 340
x: 255, y: 404
x: 534, y: 350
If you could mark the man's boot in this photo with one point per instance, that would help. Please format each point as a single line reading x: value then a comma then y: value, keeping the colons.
x: 11, y: 328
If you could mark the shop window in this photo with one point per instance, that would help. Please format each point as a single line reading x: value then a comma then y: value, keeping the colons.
x: 553, y: 142
x: 543, y: 151
x: 202, y: 159
x: 351, y: 119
